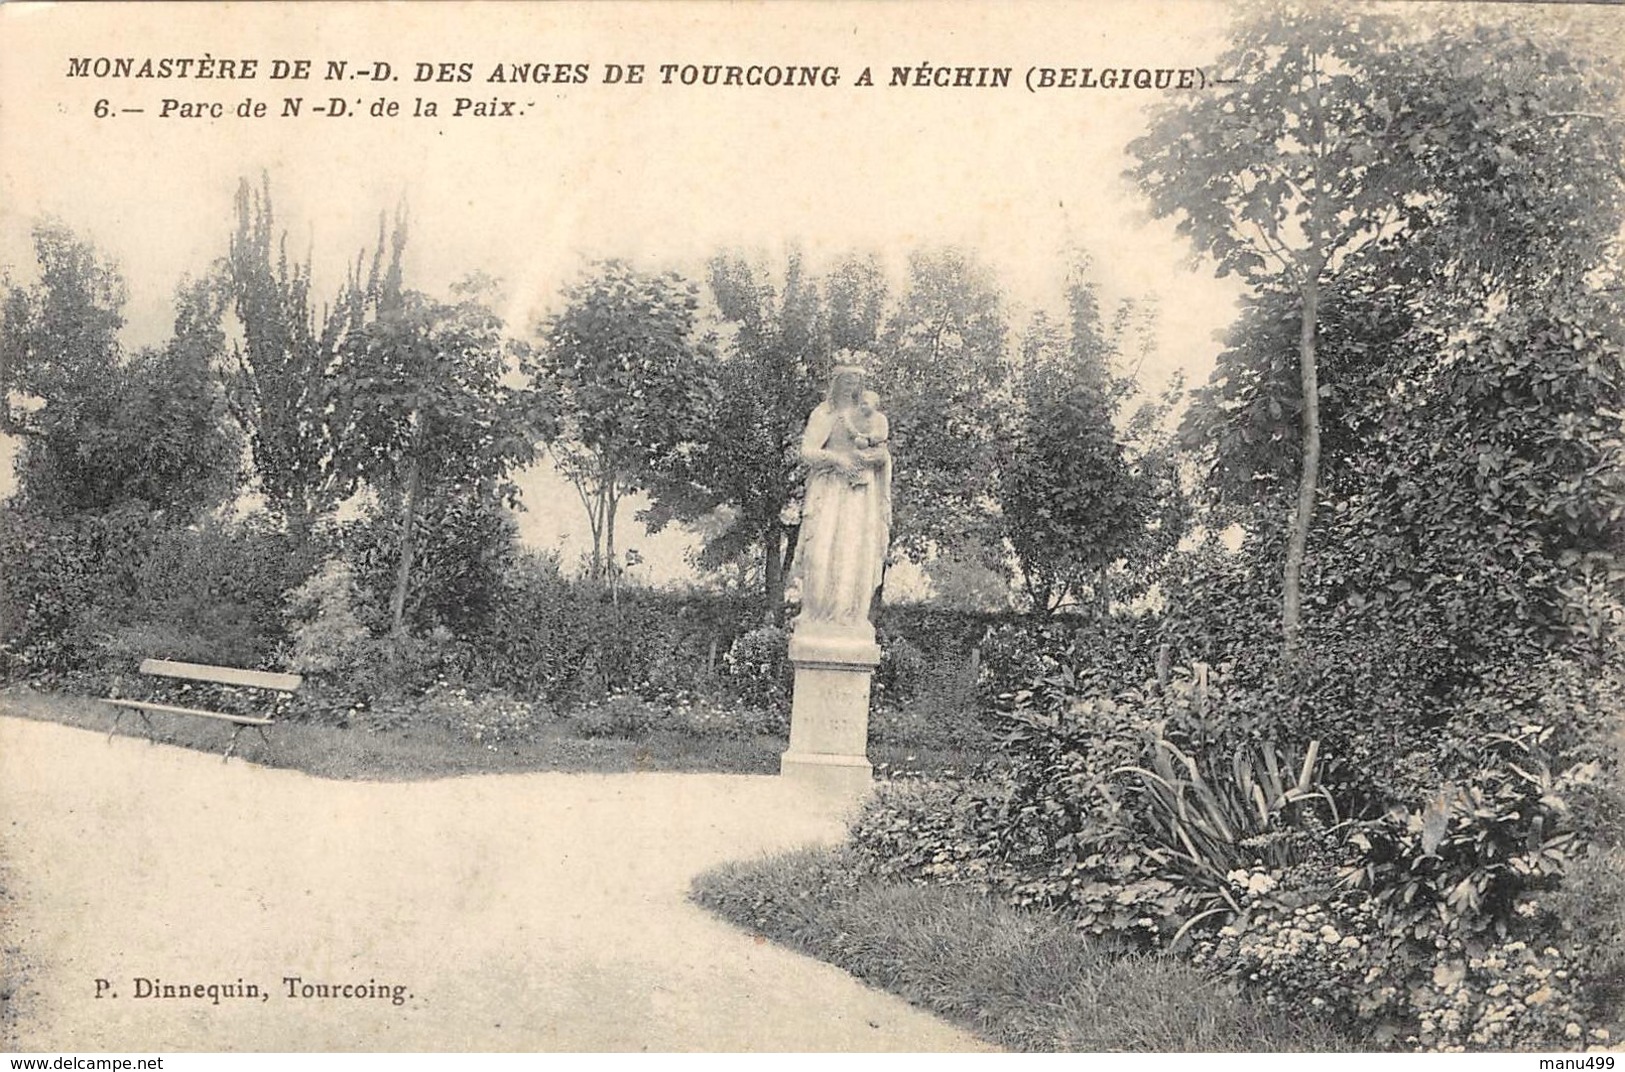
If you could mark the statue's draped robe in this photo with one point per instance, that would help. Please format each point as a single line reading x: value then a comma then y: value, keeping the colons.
x: 841, y: 554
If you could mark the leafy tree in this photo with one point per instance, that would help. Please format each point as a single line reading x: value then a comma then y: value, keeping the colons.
x: 746, y: 459
x: 1465, y: 567
x: 98, y: 427
x: 60, y: 335
x: 118, y: 454
x: 855, y: 294
x: 621, y: 378
x: 1344, y: 144
x: 425, y: 396
x: 1074, y: 499
x: 941, y: 378
x: 286, y: 380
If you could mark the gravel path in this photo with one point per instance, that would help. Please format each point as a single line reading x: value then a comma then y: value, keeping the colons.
x: 518, y: 912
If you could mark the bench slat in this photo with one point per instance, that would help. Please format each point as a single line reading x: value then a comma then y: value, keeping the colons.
x: 223, y: 675
x: 246, y: 720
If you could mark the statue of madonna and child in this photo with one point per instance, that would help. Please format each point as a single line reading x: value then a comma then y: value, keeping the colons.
x: 845, y: 527
x: 846, y: 519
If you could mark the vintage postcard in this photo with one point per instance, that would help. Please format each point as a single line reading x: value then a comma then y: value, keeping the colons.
x: 557, y: 450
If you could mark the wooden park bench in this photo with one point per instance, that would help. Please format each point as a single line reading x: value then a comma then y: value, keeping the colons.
x: 214, y: 675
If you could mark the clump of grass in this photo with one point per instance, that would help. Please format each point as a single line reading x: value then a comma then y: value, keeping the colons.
x: 1024, y: 980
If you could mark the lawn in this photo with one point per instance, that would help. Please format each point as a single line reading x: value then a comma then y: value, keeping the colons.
x: 1023, y: 980
x: 427, y: 749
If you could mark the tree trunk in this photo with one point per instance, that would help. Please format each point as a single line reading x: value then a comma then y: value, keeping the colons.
x: 610, y: 564
x: 1309, y: 474
x: 595, y: 521
x: 773, y: 574
x: 792, y: 537
x: 403, y: 570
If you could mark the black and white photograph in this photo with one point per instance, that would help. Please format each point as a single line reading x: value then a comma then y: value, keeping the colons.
x: 817, y: 526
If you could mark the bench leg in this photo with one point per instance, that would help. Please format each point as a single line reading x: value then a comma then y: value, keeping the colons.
x: 266, y: 737
x: 236, y: 729
x: 118, y: 714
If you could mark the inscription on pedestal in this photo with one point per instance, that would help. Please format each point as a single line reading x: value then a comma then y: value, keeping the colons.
x: 829, y: 716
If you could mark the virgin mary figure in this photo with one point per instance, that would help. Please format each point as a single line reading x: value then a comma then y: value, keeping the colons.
x: 846, y: 521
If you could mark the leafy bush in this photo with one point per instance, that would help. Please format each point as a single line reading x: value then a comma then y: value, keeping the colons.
x: 465, y: 545
x: 1345, y: 958
x: 223, y: 580
x: 84, y: 590
x: 565, y: 641
x: 1101, y: 815
x: 327, y: 633
x: 759, y: 669
x: 64, y: 583
x: 920, y: 831
x: 1466, y: 921
x: 901, y: 671
x: 1100, y: 653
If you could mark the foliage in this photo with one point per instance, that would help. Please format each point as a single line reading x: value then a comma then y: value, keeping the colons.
x: 94, y: 590
x: 1452, y: 922
x: 758, y: 667
x: 621, y: 377
x: 1092, y: 651
x: 325, y: 625
x: 1203, y: 820
x: 1341, y: 961
x: 1073, y: 498
x: 619, y: 715
x: 1024, y: 980
x: 218, y: 586
x: 549, y: 637
x: 60, y: 335
x: 55, y: 572
x: 99, y: 428
x: 901, y: 673
x: 1099, y: 814
x: 941, y: 381
x: 1467, y: 572
x: 745, y: 460
x: 444, y: 434
x: 1394, y: 176
x: 917, y: 831
x: 287, y: 382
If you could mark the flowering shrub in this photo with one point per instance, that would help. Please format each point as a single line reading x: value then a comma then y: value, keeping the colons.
x: 486, y: 718
x: 1448, y: 926
x: 621, y: 715
x: 758, y: 666
x: 1349, y: 959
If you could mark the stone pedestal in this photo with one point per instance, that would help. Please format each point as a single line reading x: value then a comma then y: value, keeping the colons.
x: 829, y: 716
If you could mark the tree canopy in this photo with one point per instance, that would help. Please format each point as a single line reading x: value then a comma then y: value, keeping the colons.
x: 1352, y: 154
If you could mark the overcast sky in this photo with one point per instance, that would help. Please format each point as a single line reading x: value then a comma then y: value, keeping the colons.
x: 662, y: 174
